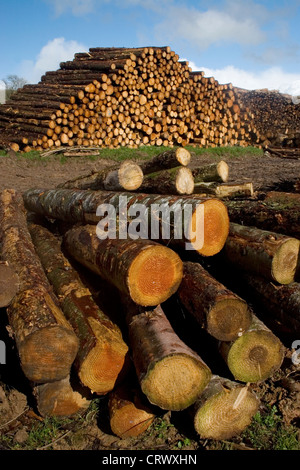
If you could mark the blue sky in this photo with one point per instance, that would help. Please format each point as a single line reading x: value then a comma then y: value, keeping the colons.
x: 253, y: 43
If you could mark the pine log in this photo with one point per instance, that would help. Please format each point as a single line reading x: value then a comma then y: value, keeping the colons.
x: 178, y: 180
x: 143, y: 269
x: 177, y: 227
x: 266, y: 215
x: 170, y: 374
x: 102, y: 355
x: 127, y: 176
x: 59, y: 399
x: 129, y: 416
x: 232, y: 190
x: 222, y: 313
x: 46, y: 342
x: 256, y: 355
x: 224, y: 409
x: 9, y: 283
x: 261, y: 252
x: 166, y: 160
x: 213, y: 172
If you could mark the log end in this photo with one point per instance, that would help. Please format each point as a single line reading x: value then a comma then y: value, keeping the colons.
x: 175, y: 382
x: 185, y: 181
x: 226, y: 414
x: 223, y: 171
x: 285, y: 261
x: 154, y: 275
x: 130, y: 175
x: 228, y: 319
x: 183, y: 156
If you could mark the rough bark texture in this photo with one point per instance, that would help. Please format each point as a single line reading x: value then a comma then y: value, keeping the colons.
x: 102, y: 355
x: 221, y: 312
x: 143, y: 269
x: 254, y: 356
x: 232, y: 190
x: 261, y: 252
x: 9, y: 283
x: 178, y: 180
x: 171, y: 375
x: 213, y: 172
x: 46, y: 342
x: 224, y: 409
x: 166, y: 160
x: 207, y: 236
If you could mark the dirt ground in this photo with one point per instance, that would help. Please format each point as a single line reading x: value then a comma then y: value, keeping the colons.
x: 170, y: 431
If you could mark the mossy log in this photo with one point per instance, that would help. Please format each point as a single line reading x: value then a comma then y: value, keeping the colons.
x: 178, y: 180
x: 212, y: 172
x: 256, y: 355
x: 261, y: 252
x: 145, y: 270
x: 127, y: 176
x: 102, y: 356
x: 166, y: 160
x: 170, y: 374
x: 9, y: 283
x: 224, y: 409
x: 187, y: 222
x: 221, y: 312
x: 46, y: 342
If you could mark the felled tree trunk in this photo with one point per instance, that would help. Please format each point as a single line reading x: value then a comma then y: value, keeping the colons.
x: 102, y: 355
x: 261, y: 252
x: 143, y: 269
x: 189, y: 222
x: 166, y: 160
x: 46, y: 342
x: 232, y: 190
x: 170, y: 374
x: 9, y: 284
x: 127, y: 176
x: 174, y: 181
x: 213, y: 172
x: 222, y: 313
x: 224, y: 409
x: 256, y: 355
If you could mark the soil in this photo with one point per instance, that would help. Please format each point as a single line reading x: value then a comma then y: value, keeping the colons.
x: 170, y: 431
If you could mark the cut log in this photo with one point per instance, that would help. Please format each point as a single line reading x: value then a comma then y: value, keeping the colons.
x: 102, y: 355
x: 256, y: 355
x: 261, y: 252
x: 9, y: 284
x: 170, y: 374
x: 213, y: 172
x: 178, y: 180
x: 127, y: 176
x: 222, y: 313
x: 46, y: 342
x: 59, y: 399
x: 166, y: 160
x: 224, y: 409
x: 145, y: 270
x: 187, y: 222
x: 129, y: 416
x: 233, y: 190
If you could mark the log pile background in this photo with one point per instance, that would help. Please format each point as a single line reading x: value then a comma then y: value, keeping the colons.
x: 111, y: 97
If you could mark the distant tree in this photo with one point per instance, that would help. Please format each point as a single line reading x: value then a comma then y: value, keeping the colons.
x: 13, y: 83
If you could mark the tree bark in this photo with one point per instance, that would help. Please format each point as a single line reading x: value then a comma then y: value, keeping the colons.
x: 102, y: 356
x: 233, y: 190
x: 178, y: 180
x: 261, y: 252
x: 213, y: 172
x: 9, y: 284
x: 46, y: 342
x: 166, y: 160
x: 222, y: 313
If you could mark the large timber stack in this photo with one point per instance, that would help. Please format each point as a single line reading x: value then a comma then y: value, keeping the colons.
x: 111, y: 97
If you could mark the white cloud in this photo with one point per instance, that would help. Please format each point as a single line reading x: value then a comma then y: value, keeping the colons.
x: 273, y: 78
x: 49, y: 58
x: 77, y: 7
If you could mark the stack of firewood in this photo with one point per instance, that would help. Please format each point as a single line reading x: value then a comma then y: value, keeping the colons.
x: 63, y: 323
x: 111, y: 97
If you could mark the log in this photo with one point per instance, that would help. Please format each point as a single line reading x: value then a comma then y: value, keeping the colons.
x: 102, y: 356
x: 59, y: 399
x: 222, y: 313
x: 46, y: 342
x: 170, y: 374
x: 256, y: 355
x: 177, y: 180
x: 232, y: 190
x: 166, y: 160
x: 203, y: 227
x: 261, y: 252
x: 143, y: 269
x: 127, y: 176
x: 224, y: 409
x: 213, y: 172
x: 129, y: 416
x: 9, y: 284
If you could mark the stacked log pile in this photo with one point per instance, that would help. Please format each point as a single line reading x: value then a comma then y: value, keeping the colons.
x: 140, y: 360
x: 111, y: 97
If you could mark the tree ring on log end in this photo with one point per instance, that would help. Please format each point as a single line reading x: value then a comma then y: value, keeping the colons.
x: 285, y: 260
